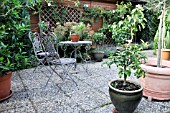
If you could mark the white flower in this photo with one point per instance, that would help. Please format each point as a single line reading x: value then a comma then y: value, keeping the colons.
x: 138, y: 5
x: 113, y: 11
x: 49, y: 4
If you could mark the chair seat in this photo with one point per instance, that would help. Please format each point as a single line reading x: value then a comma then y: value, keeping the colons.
x: 64, y: 61
x: 43, y: 54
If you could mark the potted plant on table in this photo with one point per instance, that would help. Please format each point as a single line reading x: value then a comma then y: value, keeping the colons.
x: 76, y: 31
x: 126, y: 94
x: 157, y: 80
x: 98, y: 39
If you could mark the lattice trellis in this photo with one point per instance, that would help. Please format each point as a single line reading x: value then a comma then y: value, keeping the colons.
x: 63, y: 14
x: 59, y: 13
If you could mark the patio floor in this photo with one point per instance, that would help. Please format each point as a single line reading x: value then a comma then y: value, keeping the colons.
x: 90, y: 96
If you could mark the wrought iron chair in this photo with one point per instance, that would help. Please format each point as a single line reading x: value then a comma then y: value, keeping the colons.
x: 50, y: 45
x: 40, y: 54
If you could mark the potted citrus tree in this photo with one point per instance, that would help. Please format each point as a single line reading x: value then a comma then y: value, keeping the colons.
x: 98, y: 39
x: 126, y: 94
x: 76, y: 31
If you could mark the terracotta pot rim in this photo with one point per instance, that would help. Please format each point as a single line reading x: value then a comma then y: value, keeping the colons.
x: 164, y: 49
x: 129, y: 92
x: 75, y: 34
x: 155, y: 70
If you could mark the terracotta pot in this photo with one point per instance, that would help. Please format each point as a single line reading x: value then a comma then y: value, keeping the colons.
x: 74, y: 37
x: 157, y: 80
x: 34, y: 20
x: 5, y: 85
x: 97, y: 23
x: 165, y: 54
x: 125, y: 101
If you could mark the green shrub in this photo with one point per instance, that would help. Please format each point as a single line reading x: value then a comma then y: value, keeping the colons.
x: 14, y: 44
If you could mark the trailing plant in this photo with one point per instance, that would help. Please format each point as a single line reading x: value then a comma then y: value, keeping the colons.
x: 109, y: 16
x: 37, y: 5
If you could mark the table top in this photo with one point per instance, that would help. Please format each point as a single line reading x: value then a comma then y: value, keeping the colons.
x: 76, y: 43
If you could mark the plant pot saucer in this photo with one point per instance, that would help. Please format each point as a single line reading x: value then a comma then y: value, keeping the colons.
x: 10, y: 94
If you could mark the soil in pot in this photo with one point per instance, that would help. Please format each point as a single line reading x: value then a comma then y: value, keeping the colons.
x: 128, y: 87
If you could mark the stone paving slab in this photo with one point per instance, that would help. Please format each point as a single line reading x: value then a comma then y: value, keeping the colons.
x: 90, y: 96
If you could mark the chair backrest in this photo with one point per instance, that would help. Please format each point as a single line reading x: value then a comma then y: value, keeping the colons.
x: 35, y: 40
x: 50, y: 44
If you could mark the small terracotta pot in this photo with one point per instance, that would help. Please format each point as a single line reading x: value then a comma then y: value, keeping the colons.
x: 75, y: 37
x: 5, y: 85
x: 165, y: 54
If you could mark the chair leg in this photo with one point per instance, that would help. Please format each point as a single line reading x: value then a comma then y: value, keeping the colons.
x: 66, y: 73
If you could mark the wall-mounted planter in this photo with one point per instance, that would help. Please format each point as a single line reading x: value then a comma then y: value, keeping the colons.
x: 34, y: 20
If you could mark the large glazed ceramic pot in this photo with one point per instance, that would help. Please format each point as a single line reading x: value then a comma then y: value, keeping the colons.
x: 125, y: 101
x: 157, y: 81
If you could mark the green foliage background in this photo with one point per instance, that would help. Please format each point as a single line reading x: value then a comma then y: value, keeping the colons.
x: 15, y: 47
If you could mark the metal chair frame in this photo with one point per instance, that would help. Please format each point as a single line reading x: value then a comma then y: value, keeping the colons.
x: 40, y: 54
x: 50, y: 45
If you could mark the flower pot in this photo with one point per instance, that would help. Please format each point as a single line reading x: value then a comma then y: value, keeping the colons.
x: 125, y: 101
x: 157, y: 80
x: 165, y: 54
x: 98, y: 23
x: 5, y: 86
x: 34, y: 20
x: 74, y: 37
x: 98, y: 55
